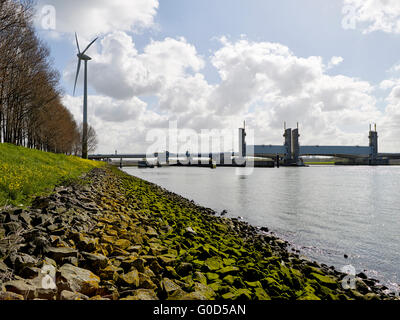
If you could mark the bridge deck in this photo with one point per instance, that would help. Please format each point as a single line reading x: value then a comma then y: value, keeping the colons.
x: 335, y: 151
x: 344, y: 151
x: 264, y: 151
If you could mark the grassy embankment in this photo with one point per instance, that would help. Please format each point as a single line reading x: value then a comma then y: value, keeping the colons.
x: 26, y: 173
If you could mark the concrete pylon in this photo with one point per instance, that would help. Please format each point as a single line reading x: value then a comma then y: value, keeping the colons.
x: 288, y: 145
x: 373, y: 143
x: 295, y: 145
x: 242, y: 142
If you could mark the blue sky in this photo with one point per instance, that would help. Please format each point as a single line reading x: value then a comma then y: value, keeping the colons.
x: 307, y: 28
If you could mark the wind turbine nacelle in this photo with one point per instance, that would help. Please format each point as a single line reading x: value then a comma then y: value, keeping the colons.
x: 84, y: 57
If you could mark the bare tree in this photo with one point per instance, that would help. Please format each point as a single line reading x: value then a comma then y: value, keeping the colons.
x: 91, y: 140
x: 31, y: 112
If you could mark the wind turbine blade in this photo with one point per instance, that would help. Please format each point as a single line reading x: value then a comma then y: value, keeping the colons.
x: 77, y: 73
x: 77, y: 43
x: 89, y: 46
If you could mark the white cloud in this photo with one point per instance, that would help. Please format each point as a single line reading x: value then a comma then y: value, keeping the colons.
x: 335, y: 61
x: 373, y: 15
x: 389, y: 137
x: 98, y: 17
x: 121, y: 72
x: 387, y: 84
x: 284, y: 87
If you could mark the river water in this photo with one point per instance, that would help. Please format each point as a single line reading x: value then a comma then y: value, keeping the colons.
x: 326, y: 212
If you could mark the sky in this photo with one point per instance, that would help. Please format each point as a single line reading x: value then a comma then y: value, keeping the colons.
x: 333, y: 66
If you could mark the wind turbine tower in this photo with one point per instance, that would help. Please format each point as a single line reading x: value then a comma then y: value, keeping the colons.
x: 83, y: 57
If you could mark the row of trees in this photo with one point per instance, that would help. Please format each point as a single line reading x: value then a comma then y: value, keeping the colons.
x: 31, y: 111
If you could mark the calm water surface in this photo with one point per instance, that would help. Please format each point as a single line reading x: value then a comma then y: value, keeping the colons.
x: 324, y: 211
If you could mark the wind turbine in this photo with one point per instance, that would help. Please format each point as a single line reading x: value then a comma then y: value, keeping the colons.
x: 85, y: 58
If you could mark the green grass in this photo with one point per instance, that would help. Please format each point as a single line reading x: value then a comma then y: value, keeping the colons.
x: 27, y: 173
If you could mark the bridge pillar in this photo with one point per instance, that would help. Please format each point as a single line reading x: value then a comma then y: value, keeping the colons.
x: 288, y: 145
x: 188, y: 158
x: 373, y: 143
x: 221, y: 159
x: 159, y: 158
x: 242, y: 142
x: 295, y: 145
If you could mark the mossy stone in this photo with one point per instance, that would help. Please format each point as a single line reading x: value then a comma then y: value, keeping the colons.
x: 309, y: 296
x: 205, y: 290
x: 228, y: 261
x: 253, y: 284
x: 216, y: 285
x: 171, y: 271
x: 325, y: 280
x: 260, y: 294
x: 229, y: 279
x: 212, y: 276
x: 214, y: 263
x: 200, y: 277
x: 130, y: 278
x: 237, y: 294
x: 229, y: 270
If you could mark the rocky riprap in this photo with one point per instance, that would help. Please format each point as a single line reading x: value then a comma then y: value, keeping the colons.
x: 113, y: 236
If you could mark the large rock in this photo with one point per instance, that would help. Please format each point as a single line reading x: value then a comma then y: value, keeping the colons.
x: 167, y: 259
x: 194, y: 296
x: 145, y: 282
x: 58, y: 254
x: 200, y: 277
x: 214, y: 263
x: 144, y: 294
x: 21, y: 287
x: 204, y: 290
x: 12, y: 227
x: 76, y: 279
x: 95, y: 261
x: 261, y: 294
x: 18, y: 261
x: 24, y: 217
x: 325, y: 280
x: 10, y: 296
x: 3, y: 267
x: 130, y: 279
x: 133, y: 262
x: 68, y: 295
x: 156, y: 268
x: 110, y: 272
x: 169, y: 286
x: 85, y: 243
x: 30, y: 272
x: 40, y: 202
x: 184, y: 268
x: 122, y: 243
x: 239, y: 294
x: 2, y: 232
